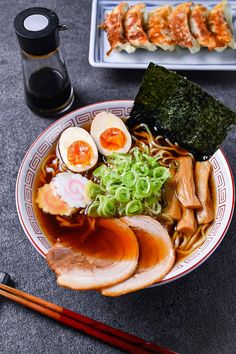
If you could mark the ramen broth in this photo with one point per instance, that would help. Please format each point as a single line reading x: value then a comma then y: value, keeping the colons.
x: 51, y: 227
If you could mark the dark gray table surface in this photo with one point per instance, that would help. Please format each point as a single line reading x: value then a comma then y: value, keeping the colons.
x: 195, y: 314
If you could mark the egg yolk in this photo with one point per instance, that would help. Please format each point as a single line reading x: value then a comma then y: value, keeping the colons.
x: 112, y: 139
x: 79, y: 153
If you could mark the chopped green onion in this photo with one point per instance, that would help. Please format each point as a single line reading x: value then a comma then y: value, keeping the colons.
x: 156, y: 185
x: 161, y: 172
x: 127, y: 184
x: 142, y: 188
x: 122, y: 195
x: 92, y: 189
x: 92, y: 209
x: 141, y: 168
x: 100, y: 171
x: 107, y: 208
x: 129, y: 179
x: 134, y: 207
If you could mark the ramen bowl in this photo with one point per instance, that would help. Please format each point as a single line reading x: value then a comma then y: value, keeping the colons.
x: 82, y: 118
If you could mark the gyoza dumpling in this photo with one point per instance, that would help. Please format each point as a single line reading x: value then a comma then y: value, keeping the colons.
x: 220, y: 22
x: 113, y: 25
x: 159, y: 29
x: 200, y: 28
x: 180, y: 30
x: 134, y: 31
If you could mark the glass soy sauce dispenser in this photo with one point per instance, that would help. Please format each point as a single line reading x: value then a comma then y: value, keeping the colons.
x: 48, y: 90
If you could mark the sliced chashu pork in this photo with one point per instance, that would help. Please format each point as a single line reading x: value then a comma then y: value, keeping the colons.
x: 102, y: 258
x: 156, y: 255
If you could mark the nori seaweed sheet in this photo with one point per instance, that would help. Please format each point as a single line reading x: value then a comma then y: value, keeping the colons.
x: 177, y: 108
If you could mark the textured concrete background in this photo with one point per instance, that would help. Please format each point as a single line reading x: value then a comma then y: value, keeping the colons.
x: 196, y: 314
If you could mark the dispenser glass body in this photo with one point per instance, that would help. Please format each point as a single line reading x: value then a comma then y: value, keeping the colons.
x: 47, y: 85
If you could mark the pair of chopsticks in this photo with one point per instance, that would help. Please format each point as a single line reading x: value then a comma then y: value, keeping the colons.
x: 115, y: 337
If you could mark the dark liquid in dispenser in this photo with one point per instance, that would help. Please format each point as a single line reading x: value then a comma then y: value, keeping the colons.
x: 47, y: 90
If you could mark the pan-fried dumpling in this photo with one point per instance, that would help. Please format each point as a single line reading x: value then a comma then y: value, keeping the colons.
x: 180, y: 30
x: 220, y: 22
x: 113, y: 25
x: 156, y: 255
x: 199, y: 27
x: 134, y: 30
x: 159, y: 29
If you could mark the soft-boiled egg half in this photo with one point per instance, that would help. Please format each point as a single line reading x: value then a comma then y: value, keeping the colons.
x: 77, y: 150
x: 110, y: 134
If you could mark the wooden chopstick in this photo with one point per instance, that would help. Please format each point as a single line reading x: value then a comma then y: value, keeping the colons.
x: 112, y: 336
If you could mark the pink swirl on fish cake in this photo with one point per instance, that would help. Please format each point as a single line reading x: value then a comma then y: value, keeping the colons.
x: 75, y: 189
x: 71, y: 188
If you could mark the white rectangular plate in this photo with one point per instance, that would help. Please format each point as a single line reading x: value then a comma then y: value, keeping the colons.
x: 180, y: 59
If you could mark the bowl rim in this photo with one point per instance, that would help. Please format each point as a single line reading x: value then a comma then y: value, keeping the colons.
x: 110, y: 102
